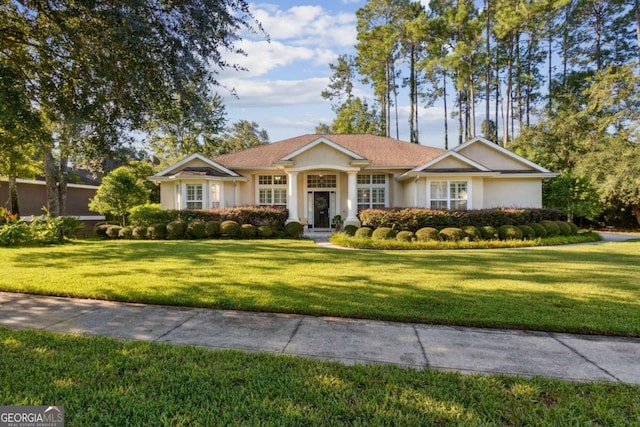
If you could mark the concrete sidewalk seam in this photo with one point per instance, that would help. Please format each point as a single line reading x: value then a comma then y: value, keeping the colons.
x: 293, y: 334
x: 91, y: 310
x: 424, y: 352
x: 585, y: 358
x: 196, y: 312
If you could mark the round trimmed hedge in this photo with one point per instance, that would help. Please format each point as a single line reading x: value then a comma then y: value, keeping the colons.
x: 176, y: 230
x: 157, y: 231
x: 405, y: 236
x: 265, y: 231
x: 196, y: 230
x: 230, y: 229
x: 452, y: 234
x: 489, y: 233
x: 426, y: 234
x: 363, y: 233
x: 538, y: 229
x: 472, y: 232
x: 350, y: 230
x: 574, y: 228
x: 509, y: 232
x: 248, y: 231
x: 294, y: 229
x: 383, y: 233
x: 113, y: 231
x: 551, y: 227
x: 212, y: 228
x: 139, y: 232
x: 125, y: 233
x: 527, y: 232
x: 565, y: 228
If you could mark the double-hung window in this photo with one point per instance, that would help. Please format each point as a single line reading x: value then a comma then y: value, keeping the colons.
x: 272, y: 190
x: 448, y: 195
x: 194, y: 196
x: 372, y: 191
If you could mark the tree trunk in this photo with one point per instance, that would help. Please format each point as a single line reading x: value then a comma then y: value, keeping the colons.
x: 446, y: 122
x: 14, y: 207
x: 635, y: 209
x: 62, y: 185
x: 51, y: 178
x: 460, y: 124
x: 487, y: 76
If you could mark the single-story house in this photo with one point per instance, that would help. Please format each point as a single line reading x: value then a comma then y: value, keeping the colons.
x: 32, y: 199
x: 319, y: 176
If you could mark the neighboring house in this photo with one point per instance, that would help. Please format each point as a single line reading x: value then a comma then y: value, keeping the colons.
x: 319, y: 176
x: 32, y: 198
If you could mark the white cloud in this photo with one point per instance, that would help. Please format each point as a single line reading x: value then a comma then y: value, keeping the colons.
x: 266, y: 93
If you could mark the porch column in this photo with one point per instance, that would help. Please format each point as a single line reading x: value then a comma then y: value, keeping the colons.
x: 292, y: 197
x: 352, y: 199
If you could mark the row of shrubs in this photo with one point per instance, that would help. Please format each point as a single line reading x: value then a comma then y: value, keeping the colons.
x: 197, y: 229
x: 531, y: 231
x: 413, y: 219
x: 150, y: 214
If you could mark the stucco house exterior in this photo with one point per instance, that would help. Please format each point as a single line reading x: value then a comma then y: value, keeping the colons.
x: 319, y: 176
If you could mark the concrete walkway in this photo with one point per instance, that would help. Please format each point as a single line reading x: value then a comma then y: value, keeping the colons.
x: 572, y: 357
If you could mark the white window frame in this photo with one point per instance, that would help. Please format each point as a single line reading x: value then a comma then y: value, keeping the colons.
x: 448, y: 199
x: 371, y: 188
x: 192, y: 199
x: 271, y: 190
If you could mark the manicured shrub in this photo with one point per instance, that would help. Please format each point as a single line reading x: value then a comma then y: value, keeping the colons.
x: 574, y: 228
x: 405, y: 236
x: 157, y: 231
x: 248, y: 231
x: 196, y: 230
x: 383, y: 233
x: 426, y: 234
x: 293, y: 229
x: 472, y: 233
x: 230, y: 228
x: 538, y: 229
x: 125, y: 233
x: 149, y: 214
x: 551, y: 228
x: 451, y: 234
x: 113, y: 231
x: 265, y: 231
x: 70, y: 226
x: 350, y: 230
x: 363, y: 233
x: 488, y: 232
x: 139, y: 232
x: 176, y: 230
x: 527, y: 232
x: 565, y: 228
x: 14, y: 232
x: 509, y: 232
x: 100, y: 230
x: 212, y: 229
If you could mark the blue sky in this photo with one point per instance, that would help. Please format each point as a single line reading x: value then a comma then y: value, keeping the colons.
x: 281, y: 89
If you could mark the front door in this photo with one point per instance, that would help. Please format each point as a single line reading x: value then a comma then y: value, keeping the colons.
x: 321, y: 209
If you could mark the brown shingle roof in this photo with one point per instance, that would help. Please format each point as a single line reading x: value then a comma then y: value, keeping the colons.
x: 380, y: 150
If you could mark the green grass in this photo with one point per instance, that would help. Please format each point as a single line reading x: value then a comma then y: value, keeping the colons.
x: 586, y: 289
x: 105, y: 382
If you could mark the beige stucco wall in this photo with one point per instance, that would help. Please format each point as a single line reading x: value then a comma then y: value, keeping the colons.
x: 322, y: 155
x: 513, y: 192
x: 491, y: 158
x: 167, y: 195
x: 450, y: 163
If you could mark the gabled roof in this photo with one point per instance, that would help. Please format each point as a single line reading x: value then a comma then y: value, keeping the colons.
x: 511, y: 154
x: 380, y: 151
x: 212, y: 169
x: 452, y: 154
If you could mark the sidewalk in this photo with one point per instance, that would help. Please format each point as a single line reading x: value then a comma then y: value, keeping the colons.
x: 572, y: 357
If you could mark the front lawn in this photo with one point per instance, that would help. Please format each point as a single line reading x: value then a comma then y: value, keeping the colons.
x: 589, y: 289
x: 105, y: 382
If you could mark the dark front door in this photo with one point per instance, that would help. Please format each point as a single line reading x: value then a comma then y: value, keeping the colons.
x: 321, y: 209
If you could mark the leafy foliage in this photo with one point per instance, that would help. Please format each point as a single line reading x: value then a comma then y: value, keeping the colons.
x: 118, y: 192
